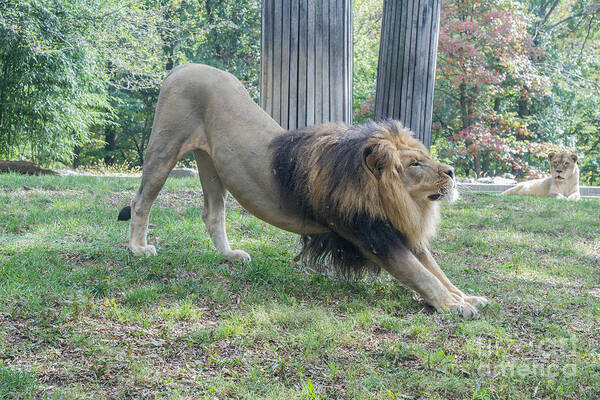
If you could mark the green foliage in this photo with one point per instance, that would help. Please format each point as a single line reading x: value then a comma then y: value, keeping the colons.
x: 367, y: 31
x: 569, y: 34
x: 231, y: 39
x: 48, y: 91
x: 224, y: 34
x: 83, y: 77
x: 55, y: 61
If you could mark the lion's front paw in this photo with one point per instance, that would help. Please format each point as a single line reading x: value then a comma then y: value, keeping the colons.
x: 467, y: 311
x: 463, y: 308
x: 477, y: 301
x: 147, y: 250
x: 238, y: 255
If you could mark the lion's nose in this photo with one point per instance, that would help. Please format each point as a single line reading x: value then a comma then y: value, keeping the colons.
x: 559, y: 170
x: 450, y: 172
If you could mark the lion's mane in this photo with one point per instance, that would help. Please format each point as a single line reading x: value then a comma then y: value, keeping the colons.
x: 346, y: 178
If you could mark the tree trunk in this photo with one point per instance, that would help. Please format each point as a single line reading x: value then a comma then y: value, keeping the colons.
x: 464, y: 107
x: 3, y: 84
x: 485, y: 167
x: 110, y: 138
x: 167, y: 44
x: 210, y: 18
x: 466, y: 113
x: 497, y: 104
x: 523, y: 106
x: 76, y: 152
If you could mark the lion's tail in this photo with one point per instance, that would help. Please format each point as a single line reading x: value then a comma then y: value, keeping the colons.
x: 326, y: 250
x: 124, y: 214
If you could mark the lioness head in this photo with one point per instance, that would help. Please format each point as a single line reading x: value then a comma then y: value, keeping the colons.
x: 562, y: 165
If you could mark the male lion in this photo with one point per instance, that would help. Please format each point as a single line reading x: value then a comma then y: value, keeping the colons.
x: 563, y: 182
x: 360, y: 196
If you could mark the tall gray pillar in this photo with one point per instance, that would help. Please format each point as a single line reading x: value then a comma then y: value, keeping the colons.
x: 407, y: 58
x: 306, y: 61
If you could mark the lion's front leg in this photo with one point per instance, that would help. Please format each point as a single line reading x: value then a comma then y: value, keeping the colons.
x: 426, y: 258
x: 408, y: 269
x: 574, y: 196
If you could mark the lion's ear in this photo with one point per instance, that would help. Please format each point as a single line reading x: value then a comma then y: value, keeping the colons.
x: 376, y: 159
x: 551, y: 155
x: 574, y: 157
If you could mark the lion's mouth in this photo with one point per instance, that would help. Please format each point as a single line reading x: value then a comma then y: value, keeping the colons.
x: 560, y: 178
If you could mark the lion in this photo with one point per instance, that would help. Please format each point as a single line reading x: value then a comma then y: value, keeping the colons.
x: 563, y: 182
x: 361, y: 197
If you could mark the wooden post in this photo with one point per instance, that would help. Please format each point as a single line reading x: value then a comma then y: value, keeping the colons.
x: 407, y: 58
x: 306, y: 61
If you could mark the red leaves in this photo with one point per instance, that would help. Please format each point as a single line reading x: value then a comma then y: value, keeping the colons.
x: 483, y: 43
x: 497, y: 137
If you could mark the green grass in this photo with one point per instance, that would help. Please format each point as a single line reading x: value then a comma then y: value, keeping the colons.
x: 82, y: 318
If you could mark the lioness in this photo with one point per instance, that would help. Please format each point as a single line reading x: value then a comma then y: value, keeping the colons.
x: 360, y: 196
x: 563, y: 182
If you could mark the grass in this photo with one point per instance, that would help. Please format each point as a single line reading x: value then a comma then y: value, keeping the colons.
x: 82, y: 318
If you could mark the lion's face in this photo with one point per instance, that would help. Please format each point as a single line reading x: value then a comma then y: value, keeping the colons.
x: 562, y: 165
x: 404, y: 165
x: 425, y: 178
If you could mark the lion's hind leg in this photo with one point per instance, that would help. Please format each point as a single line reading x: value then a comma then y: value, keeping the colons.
x: 213, y: 213
x: 513, y: 190
x: 157, y: 166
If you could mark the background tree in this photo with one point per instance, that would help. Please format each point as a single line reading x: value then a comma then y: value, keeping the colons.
x: 569, y: 34
x: 80, y: 79
x: 367, y: 31
x: 515, y: 80
x: 56, y: 59
x: 486, y: 80
x: 225, y: 34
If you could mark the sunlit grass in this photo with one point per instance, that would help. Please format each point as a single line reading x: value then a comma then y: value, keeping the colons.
x: 83, y: 318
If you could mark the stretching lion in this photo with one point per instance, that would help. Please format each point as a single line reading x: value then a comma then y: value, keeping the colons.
x: 563, y: 182
x: 365, y: 196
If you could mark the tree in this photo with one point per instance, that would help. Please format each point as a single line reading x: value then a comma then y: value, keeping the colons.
x: 367, y: 31
x: 55, y: 59
x: 486, y: 81
x: 569, y: 34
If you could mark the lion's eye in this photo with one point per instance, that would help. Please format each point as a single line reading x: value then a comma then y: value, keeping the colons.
x: 415, y: 164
